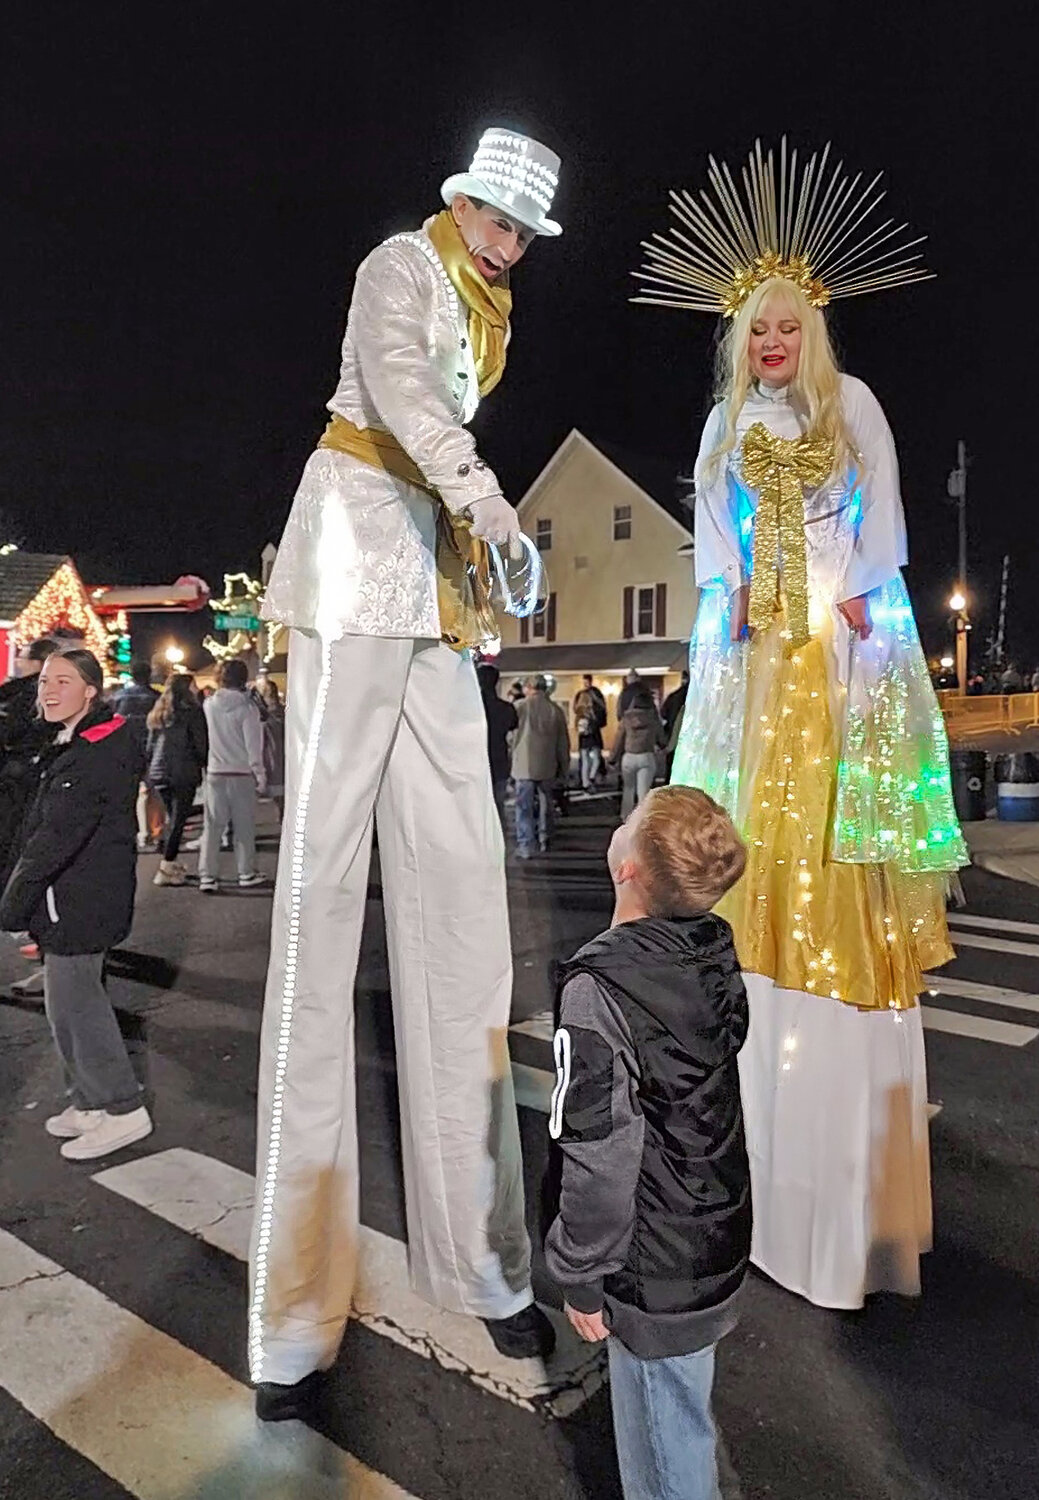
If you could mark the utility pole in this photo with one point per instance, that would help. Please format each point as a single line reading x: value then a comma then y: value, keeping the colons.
x: 1000, y: 645
x: 959, y: 602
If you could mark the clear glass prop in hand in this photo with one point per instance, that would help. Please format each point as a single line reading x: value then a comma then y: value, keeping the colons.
x: 518, y: 583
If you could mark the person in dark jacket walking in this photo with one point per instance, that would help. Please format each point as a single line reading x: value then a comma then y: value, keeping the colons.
x: 177, y: 750
x: 502, y: 720
x: 652, y: 1239
x: 671, y: 711
x: 134, y: 703
x: 73, y: 890
x: 23, y: 735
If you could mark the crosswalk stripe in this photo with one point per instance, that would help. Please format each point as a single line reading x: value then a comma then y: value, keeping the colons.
x: 540, y: 1026
x: 154, y: 1416
x: 996, y: 924
x: 981, y: 1028
x: 984, y: 994
x: 995, y: 944
x: 533, y: 1087
x: 209, y: 1199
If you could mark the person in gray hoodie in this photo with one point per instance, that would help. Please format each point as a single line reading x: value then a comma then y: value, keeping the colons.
x: 540, y: 759
x: 234, y: 774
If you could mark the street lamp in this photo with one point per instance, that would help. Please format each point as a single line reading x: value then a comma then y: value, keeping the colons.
x: 946, y: 663
x: 958, y: 603
x: 174, y: 655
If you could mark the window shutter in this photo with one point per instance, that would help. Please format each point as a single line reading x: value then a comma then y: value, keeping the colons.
x: 525, y: 631
x: 550, y: 634
x: 629, y: 613
x: 661, y: 611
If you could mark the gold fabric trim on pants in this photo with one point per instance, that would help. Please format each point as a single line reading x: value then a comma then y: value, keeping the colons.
x: 862, y: 934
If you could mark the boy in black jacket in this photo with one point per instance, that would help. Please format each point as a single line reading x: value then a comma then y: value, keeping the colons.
x: 652, y: 1238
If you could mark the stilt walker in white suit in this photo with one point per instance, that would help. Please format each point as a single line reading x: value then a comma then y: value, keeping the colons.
x: 385, y: 722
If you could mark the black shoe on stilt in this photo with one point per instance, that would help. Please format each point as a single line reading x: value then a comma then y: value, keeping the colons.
x: 526, y: 1335
x: 289, y: 1403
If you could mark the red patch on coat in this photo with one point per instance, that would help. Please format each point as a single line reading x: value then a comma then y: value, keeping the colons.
x: 102, y: 731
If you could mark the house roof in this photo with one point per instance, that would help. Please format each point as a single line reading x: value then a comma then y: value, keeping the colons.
x: 595, y: 656
x: 22, y: 576
x: 657, y: 478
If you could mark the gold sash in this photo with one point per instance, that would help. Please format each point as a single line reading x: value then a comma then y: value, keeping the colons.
x: 780, y: 469
x: 462, y: 562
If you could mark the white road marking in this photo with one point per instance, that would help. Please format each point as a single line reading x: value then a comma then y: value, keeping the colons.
x: 981, y: 1028
x: 995, y: 945
x: 158, y: 1419
x: 214, y: 1201
x: 997, y: 924
x: 533, y: 1087
x: 984, y: 994
x: 542, y: 1026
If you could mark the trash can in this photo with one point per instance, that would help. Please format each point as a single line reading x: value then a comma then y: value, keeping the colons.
x: 968, y: 769
x: 1017, y: 787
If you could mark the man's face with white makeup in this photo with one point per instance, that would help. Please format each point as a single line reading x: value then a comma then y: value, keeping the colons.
x: 494, y: 240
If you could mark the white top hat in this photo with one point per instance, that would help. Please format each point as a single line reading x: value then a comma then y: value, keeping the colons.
x: 513, y: 173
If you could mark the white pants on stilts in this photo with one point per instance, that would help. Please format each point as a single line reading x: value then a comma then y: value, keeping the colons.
x: 395, y: 730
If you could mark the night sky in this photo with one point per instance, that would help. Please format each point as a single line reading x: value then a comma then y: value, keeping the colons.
x: 188, y: 189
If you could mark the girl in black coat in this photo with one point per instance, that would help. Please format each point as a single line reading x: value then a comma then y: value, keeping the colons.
x: 73, y: 890
x: 178, y: 748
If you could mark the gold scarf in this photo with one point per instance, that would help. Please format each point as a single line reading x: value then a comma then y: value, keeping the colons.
x: 489, y: 303
x: 780, y: 469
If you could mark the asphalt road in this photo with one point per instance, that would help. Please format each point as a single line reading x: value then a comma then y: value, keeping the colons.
x: 122, y: 1294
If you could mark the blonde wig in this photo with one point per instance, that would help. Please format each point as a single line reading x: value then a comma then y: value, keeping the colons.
x: 815, y: 389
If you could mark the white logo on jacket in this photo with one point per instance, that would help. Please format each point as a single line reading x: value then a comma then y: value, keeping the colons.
x: 561, y: 1052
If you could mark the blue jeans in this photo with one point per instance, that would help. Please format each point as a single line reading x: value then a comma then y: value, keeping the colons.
x: 663, y: 1424
x: 531, y: 832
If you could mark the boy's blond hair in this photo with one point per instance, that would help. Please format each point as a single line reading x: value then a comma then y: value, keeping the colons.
x: 688, y: 851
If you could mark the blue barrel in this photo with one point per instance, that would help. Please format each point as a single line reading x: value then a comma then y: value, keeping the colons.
x: 1017, y: 787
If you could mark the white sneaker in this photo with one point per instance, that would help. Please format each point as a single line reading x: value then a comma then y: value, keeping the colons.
x: 250, y: 880
x: 170, y: 873
x: 111, y: 1133
x: 208, y: 887
x: 72, y: 1122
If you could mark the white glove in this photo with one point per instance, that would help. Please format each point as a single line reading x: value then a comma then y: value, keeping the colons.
x: 494, y: 520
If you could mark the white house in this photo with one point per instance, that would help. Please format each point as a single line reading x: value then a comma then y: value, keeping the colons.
x: 617, y: 549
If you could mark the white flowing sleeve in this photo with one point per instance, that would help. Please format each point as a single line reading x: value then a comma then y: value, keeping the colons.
x: 717, y: 545
x: 880, y: 544
x: 391, y: 317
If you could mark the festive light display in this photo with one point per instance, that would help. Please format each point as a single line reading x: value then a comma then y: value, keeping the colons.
x: 242, y: 594
x: 62, y: 604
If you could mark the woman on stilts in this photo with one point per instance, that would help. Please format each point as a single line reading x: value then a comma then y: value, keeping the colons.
x: 811, y: 718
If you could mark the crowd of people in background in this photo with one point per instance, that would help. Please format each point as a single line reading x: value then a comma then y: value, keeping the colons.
x: 529, y: 747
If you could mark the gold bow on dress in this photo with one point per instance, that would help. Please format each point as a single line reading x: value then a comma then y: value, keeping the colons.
x: 780, y: 469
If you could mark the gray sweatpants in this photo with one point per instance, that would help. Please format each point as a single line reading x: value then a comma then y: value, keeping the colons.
x: 98, y: 1074
x: 228, y: 799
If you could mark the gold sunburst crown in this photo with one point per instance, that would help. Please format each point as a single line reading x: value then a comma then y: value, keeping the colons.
x: 804, y: 221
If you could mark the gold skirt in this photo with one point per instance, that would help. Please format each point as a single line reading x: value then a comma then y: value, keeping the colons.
x: 862, y: 934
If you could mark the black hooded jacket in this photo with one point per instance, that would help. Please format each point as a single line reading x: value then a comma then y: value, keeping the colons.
x: 74, y: 884
x: 654, y: 1210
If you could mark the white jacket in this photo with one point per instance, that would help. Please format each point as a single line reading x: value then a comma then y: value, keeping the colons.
x: 235, y: 734
x: 357, y: 555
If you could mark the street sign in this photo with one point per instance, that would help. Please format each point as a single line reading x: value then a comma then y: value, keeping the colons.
x: 236, y: 622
